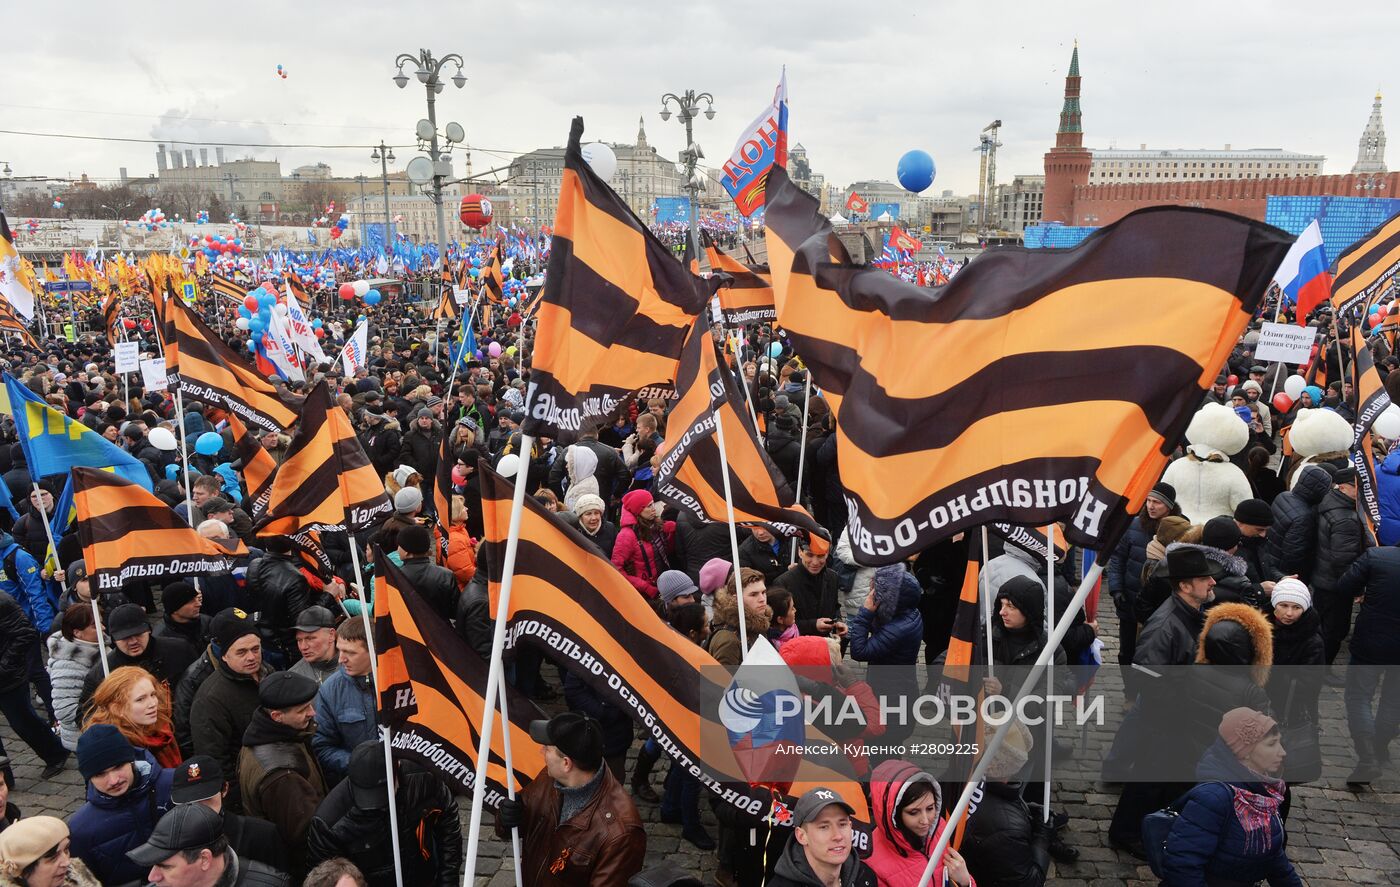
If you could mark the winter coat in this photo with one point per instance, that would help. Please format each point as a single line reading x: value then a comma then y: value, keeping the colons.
x: 420, y: 449
x: 855, y: 579
x: 616, y: 723
x: 895, y: 862
x: 603, y: 843
x: 381, y: 443
x: 1207, y: 484
x: 1124, y: 571
x: 461, y: 554
x: 279, y: 779
x: 697, y: 543
x: 474, y: 621
x: 345, y: 717
x: 1170, y: 635
x: 1340, y: 540
x: 892, y: 633
x: 436, y: 584
x: 17, y: 638
x: 1208, y: 845
x: 182, y: 696
x: 1234, y: 635
x: 793, y: 870
x: 762, y: 557
x: 78, y: 876
x: 1375, y: 639
x: 580, y: 465
x: 1290, y: 545
x: 278, y: 593
x: 69, y: 664
x: 784, y: 448
x: 1388, y: 495
x: 723, y: 644
x: 195, y: 632
x: 815, y: 596
x: 219, y: 716
x: 105, y: 828
x: 636, y: 558
x: 1004, y: 844
x: 1293, y: 690
x: 22, y: 581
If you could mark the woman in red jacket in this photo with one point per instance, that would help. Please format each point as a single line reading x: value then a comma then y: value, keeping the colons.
x: 907, y: 805
x: 644, y: 544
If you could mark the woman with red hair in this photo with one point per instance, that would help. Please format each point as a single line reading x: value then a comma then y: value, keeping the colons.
x: 139, y: 707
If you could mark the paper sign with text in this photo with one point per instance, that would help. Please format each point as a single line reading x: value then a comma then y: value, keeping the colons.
x: 128, y: 355
x: 153, y: 374
x: 1285, y: 342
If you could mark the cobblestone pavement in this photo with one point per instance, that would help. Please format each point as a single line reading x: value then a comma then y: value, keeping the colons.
x: 1335, y: 835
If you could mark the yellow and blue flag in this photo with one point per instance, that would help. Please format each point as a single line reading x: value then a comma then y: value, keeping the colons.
x: 54, y: 443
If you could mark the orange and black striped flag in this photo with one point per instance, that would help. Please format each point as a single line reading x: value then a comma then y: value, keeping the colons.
x: 745, y: 291
x: 1372, y: 400
x: 257, y: 464
x: 447, y: 305
x: 111, y: 314
x: 128, y: 534
x: 1366, y: 267
x: 209, y: 370
x: 224, y: 286
x: 442, y: 494
x: 11, y: 322
x: 1036, y: 386
x: 616, y: 310
x: 326, y: 482
x: 432, y: 689
x: 568, y: 599
x: 493, y: 281
x: 690, y: 474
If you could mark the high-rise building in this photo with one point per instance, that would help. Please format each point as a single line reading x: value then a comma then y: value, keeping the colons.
x: 1020, y: 203
x: 1067, y: 164
x: 1370, y: 152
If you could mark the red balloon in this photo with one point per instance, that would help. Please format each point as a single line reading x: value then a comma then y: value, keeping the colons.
x: 347, y: 291
x: 475, y: 211
x: 1232, y: 379
x: 250, y: 302
x: 1282, y: 402
x: 320, y: 333
x: 1383, y: 312
x: 129, y: 323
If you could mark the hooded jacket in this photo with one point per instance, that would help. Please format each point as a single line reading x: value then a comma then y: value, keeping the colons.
x: 581, y: 465
x: 1290, y: 546
x: 69, y: 664
x: 793, y: 870
x: 637, y: 558
x: 892, y: 633
x: 105, y: 828
x: 724, y: 641
x: 1233, y: 658
x: 895, y: 862
x: 1207, y: 843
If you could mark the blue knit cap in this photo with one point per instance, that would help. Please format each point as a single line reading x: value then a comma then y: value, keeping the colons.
x: 102, y: 747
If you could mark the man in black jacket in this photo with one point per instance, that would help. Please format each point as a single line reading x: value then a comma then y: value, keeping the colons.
x: 1340, y: 541
x: 763, y: 551
x: 200, y: 780
x: 17, y: 637
x: 815, y: 591
x: 1291, y: 543
x: 165, y: 658
x: 183, y: 620
x: 278, y: 593
x: 353, y: 822
x: 223, y: 705
x: 436, y: 584
x: 188, y: 847
x: 422, y: 444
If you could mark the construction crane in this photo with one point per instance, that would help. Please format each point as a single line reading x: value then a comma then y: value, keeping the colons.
x: 987, y: 181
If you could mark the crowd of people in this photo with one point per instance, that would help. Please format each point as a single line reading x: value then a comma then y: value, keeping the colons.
x: 230, y: 736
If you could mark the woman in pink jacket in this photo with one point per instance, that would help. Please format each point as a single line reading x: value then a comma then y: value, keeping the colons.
x: 907, y: 805
x: 643, y: 547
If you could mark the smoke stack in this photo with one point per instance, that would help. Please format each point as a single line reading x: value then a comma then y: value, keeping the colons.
x: 189, y: 157
x: 219, y: 155
x: 160, y: 158
x: 203, y: 156
x: 176, y: 161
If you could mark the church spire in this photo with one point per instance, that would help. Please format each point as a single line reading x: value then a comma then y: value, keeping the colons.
x: 641, y: 132
x: 1071, y: 131
x: 1370, y: 152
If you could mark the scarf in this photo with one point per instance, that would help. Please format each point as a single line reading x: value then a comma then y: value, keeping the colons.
x: 160, y: 742
x: 1255, y: 812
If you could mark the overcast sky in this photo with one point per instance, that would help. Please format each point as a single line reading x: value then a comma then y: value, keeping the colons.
x: 867, y: 81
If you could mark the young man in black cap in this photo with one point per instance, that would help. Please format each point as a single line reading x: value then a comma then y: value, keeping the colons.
x: 127, y: 791
x: 223, y: 705
x: 821, y: 851
x: 165, y: 658
x: 353, y: 822
x: 188, y: 849
x: 315, y: 634
x: 278, y: 775
x: 436, y: 584
x: 1254, y: 517
x: 1340, y: 542
x: 183, y: 620
x: 574, y: 816
x: 200, y: 780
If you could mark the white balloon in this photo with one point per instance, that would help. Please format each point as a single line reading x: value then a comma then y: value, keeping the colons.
x: 1294, y: 385
x: 1387, y: 424
x: 162, y: 438
x: 280, y: 310
x: 509, y: 465
x: 361, y: 287
x: 241, y: 323
x: 602, y: 159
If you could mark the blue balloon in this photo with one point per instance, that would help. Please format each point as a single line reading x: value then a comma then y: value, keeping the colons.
x: 252, y: 347
x: 209, y: 443
x: 775, y: 349
x: 257, y: 323
x: 244, y: 312
x: 1374, y: 309
x: 316, y: 324
x: 372, y: 297
x: 916, y: 171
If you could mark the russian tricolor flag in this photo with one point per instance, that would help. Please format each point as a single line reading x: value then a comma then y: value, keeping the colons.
x: 1303, y: 276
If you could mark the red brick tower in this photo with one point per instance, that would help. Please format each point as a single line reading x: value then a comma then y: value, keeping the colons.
x: 1066, y: 164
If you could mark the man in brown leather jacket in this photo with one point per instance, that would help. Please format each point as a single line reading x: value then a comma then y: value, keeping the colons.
x: 578, y: 825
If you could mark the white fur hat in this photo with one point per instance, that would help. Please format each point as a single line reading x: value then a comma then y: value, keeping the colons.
x: 1319, y: 431
x: 1218, y: 427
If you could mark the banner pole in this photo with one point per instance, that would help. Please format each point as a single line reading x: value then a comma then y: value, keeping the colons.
x: 385, y: 737
x: 1046, y: 655
x: 494, y: 672
x: 986, y: 604
x: 1049, y: 668
x: 733, y: 537
x: 510, y: 779
x: 802, y: 450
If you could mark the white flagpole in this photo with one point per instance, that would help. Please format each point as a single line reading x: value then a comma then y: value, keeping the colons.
x: 1049, y: 668
x: 802, y: 450
x: 384, y: 735
x: 733, y: 537
x: 510, y: 780
x: 497, y: 667
x: 1046, y: 656
x: 986, y: 603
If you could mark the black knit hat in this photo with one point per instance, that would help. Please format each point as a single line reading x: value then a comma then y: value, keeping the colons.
x: 1254, y: 513
x: 1164, y: 493
x: 176, y: 595
x: 1221, y: 532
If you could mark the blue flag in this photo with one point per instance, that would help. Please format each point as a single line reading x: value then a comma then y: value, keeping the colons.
x: 54, y: 443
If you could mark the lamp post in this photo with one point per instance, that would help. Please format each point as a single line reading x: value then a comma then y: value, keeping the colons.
x: 687, y: 107
x: 385, y: 156
x: 7, y: 173
x: 428, y: 70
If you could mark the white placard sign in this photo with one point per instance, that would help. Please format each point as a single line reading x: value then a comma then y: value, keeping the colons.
x: 461, y: 295
x: 1285, y: 343
x: 128, y: 356
x: 153, y: 374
